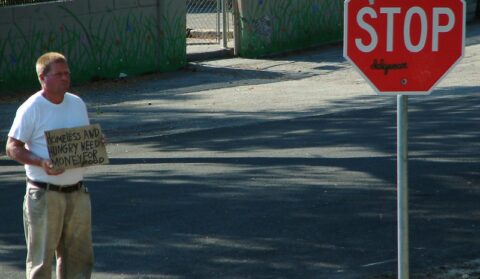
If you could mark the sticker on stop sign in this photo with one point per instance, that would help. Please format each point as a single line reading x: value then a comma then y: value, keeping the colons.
x: 404, y: 46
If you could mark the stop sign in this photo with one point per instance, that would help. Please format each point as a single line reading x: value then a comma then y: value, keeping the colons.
x: 404, y: 46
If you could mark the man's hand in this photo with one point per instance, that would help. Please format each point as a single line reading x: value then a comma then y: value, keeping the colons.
x: 16, y: 150
x: 48, y: 167
x: 104, y: 139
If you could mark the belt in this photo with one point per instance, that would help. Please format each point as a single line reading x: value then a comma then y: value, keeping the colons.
x: 57, y: 188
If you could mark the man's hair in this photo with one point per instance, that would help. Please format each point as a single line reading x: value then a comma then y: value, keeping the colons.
x: 45, y: 61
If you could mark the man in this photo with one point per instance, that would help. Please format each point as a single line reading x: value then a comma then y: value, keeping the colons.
x: 57, y: 210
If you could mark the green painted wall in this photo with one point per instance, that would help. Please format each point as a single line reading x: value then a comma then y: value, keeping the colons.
x: 271, y: 26
x: 100, y: 40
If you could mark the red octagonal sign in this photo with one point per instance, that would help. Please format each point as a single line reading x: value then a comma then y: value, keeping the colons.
x: 404, y: 46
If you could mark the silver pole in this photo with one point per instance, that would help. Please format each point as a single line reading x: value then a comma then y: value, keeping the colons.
x: 402, y: 186
x: 236, y: 28
x: 218, y: 20
x: 224, y: 11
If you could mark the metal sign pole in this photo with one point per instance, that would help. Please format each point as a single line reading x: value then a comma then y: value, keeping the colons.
x: 402, y: 186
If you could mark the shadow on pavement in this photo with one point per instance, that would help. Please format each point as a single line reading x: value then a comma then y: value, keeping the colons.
x: 293, y: 211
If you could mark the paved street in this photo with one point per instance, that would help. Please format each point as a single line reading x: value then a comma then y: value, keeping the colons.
x: 271, y: 168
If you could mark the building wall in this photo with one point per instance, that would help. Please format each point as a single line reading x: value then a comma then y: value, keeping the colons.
x: 101, y: 39
x: 270, y: 26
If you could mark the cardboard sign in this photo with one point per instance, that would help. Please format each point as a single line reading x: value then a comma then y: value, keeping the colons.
x: 76, y: 147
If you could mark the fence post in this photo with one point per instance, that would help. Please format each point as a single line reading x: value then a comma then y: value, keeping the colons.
x: 224, y: 11
x: 219, y: 6
x: 236, y: 28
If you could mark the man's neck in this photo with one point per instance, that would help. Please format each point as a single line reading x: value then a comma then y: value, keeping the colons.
x: 53, y: 97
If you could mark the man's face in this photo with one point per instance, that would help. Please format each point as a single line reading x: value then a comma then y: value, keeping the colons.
x: 57, y: 80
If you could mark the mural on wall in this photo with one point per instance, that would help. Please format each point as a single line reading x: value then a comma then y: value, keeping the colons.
x: 269, y: 26
x: 105, y: 47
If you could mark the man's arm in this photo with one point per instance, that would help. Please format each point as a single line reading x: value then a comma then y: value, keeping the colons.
x: 16, y: 150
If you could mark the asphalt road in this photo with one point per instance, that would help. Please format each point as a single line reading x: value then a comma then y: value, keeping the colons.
x: 279, y: 168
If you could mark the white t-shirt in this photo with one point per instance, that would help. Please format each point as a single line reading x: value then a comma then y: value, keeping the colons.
x: 37, y: 115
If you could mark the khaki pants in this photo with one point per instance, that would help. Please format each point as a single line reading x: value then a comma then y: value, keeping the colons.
x: 58, y: 224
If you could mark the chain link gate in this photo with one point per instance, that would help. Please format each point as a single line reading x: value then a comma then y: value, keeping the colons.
x: 5, y: 3
x: 207, y: 20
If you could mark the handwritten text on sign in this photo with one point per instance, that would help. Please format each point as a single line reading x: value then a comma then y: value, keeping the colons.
x: 76, y: 147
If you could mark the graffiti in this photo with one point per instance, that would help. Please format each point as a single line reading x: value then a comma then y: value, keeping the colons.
x: 262, y: 27
x: 97, y: 47
x: 385, y: 67
x: 269, y: 26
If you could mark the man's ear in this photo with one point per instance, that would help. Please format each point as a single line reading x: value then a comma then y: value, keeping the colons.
x: 41, y: 79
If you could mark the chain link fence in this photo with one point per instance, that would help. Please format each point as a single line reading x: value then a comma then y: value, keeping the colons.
x: 206, y: 20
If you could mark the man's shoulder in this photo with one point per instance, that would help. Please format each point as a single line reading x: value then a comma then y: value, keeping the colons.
x: 73, y: 97
x: 31, y: 101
